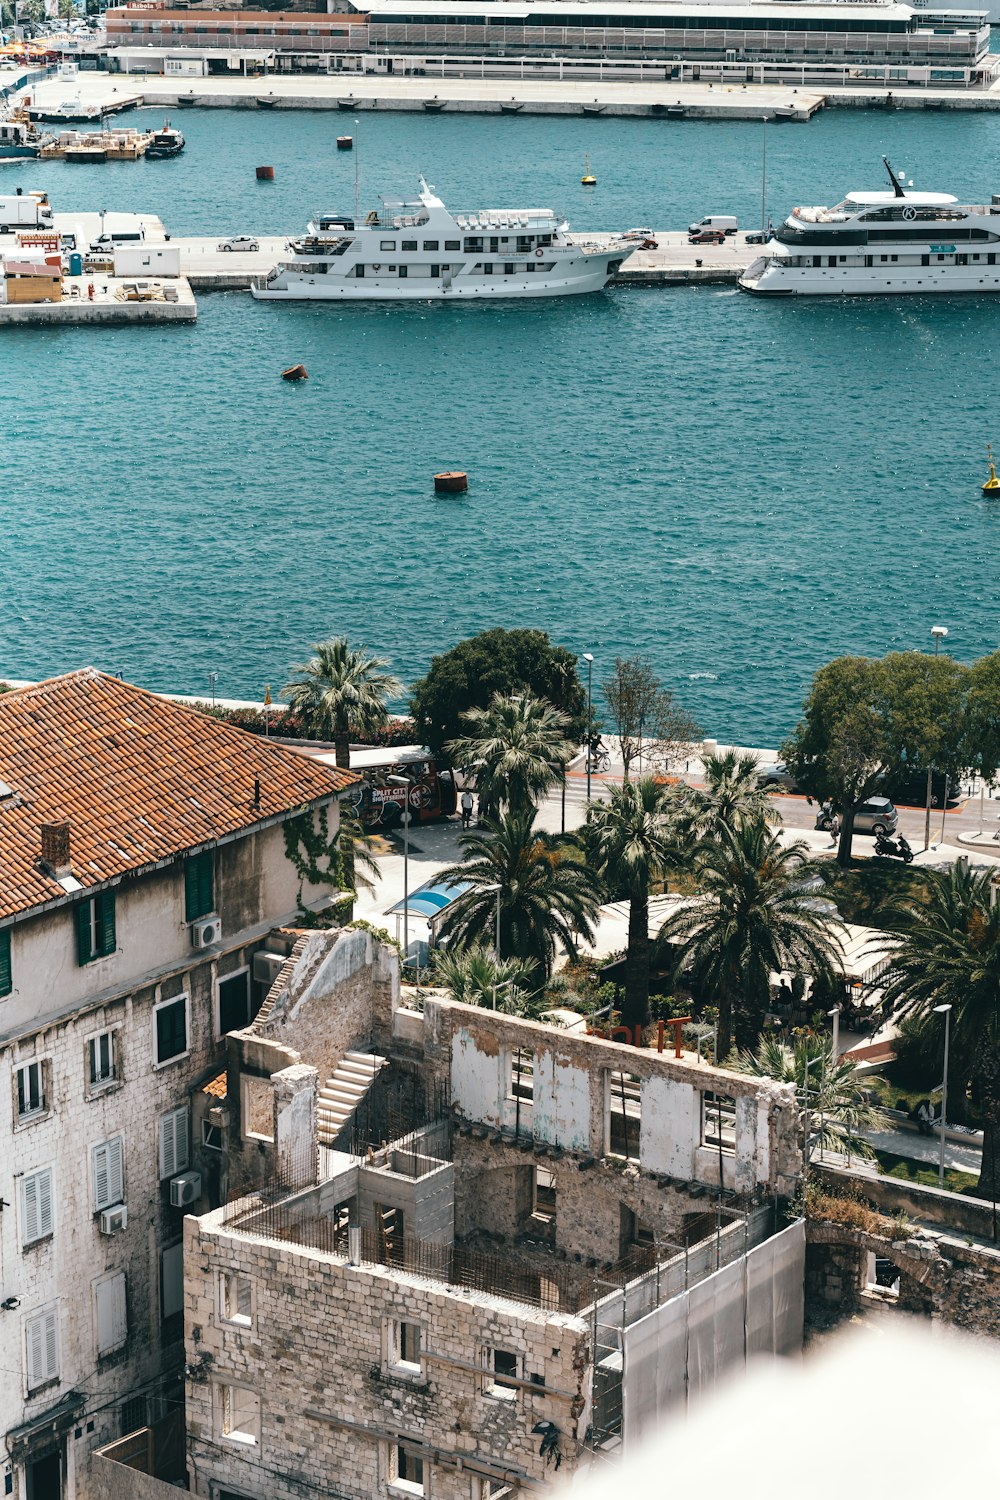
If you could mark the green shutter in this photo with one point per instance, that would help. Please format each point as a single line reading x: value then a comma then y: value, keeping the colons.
x: 6, y: 977
x: 106, y: 922
x: 199, y: 897
x: 83, y: 949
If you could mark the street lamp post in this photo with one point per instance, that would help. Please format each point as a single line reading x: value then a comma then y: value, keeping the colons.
x: 938, y: 632
x: 944, y: 1010
x: 213, y: 678
x: 402, y: 781
x: 588, y: 658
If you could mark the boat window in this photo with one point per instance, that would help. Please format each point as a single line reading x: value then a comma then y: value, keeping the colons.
x: 435, y: 270
x: 387, y: 244
x: 488, y: 268
x: 431, y: 244
x: 453, y: 244
x: 408, y: 245
x: 474, y: 242
x: 402, y: 271
x: 508, y: 269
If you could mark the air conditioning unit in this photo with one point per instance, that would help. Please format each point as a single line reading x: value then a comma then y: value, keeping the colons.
x: 266, y: 967
x: 206, y: 932
x: 114, y: 1219
x: 185, y: 1189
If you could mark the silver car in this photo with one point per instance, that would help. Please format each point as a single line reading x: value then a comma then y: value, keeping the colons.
x: 777, y: 777
x: 877, y: 815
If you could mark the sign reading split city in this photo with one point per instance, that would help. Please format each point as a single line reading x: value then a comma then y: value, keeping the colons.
x: 400, y: 779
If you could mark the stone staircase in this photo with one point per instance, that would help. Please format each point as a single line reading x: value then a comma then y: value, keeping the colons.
x: 340, y: 1095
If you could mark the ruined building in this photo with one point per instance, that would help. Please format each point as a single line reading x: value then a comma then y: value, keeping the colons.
x: 465, y: 1252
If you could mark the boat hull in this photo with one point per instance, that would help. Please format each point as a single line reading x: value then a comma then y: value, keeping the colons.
x: 16, y: 153
x: 905, y: 281
x: 592, y: 279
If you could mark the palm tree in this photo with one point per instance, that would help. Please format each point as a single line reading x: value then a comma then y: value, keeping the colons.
x: 475, y: 976
x: 338, y: 690
x: 832, y: 1089
x: 756, y: 915
x: 355, y: 847
x: 547, y: 894
x: 628, y: 837
x: 514, y: 745
x: 950, y: 955
x: 730, y: 794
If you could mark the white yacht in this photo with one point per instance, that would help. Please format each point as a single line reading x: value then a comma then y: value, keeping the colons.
x: 417, y: 251
x: 882, y: 243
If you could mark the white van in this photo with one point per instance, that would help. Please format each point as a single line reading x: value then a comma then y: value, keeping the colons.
x: 722, y: 223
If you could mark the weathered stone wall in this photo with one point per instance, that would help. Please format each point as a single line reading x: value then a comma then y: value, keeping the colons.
x: 472, y: 1051
x: 316, y: 1353
x: 891, y: 1195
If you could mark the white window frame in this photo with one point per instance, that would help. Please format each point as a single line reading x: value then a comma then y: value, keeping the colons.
x: 103, y: 1158
x: 48, y: 1319
x: 408, y: 1369
x: 718, y: 1118
x: 221, y: 979
x: 111, y: 1291
x: 162, y: 1005
x: 31, y: 1115
x: 230, y: 1290
x: 409, y: 1487
x: 230, y: 1426
x: 98, y: 1085
x: 208, y: 1129
x: 34, y: 1181
x: 169, y: 1164
x: 491, y: 1387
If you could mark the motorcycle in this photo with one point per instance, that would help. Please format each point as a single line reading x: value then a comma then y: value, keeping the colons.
x: 896, y: 848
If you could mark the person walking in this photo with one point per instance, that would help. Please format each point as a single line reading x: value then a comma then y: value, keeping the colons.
x: 467, y: 805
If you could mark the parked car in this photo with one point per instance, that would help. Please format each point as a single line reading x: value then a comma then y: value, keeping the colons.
x: 911, y: 791
x: 777, y: 776
x: 707, y: 237
x: 877, y: 815
x: 756, y: 237
x: 238, y: 242
x: 721, y: 223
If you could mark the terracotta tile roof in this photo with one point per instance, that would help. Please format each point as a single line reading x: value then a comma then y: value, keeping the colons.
x: 217, y: 1086
x: 138, y: 778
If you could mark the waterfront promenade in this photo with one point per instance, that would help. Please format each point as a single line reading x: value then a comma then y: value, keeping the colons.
x: 614, y: 97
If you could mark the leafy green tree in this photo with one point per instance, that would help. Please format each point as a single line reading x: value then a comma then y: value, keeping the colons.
x: 756, y: 916
x: 32, y: 12
x: 867, y: 720
x: 548, y: 897
x: 340, y: 689
x: 496, y: 661
x: 983, y: 715
x: 514, y: 744
x: 475, y: 976
x: 646, y: 715
x: 950, y: 955
x: 67, y: 10
x: 629, y: 841
x: 838, y: 1106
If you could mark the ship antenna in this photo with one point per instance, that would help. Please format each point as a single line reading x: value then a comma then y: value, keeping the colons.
x: 896, y: 184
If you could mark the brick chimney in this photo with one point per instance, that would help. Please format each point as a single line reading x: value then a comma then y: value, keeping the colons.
x: 55, y: 848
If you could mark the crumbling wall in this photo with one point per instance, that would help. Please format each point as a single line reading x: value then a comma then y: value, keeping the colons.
x: 317, y: 1353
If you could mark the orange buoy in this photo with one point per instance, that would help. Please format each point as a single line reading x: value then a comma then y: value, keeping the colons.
x: 265, y: 174
x: 295, y: 372
x: 345, y: 143
x: 452, y: 482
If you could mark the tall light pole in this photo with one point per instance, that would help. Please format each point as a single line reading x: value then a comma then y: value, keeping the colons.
x: 588, y: 658
x: 938, y: 632
x: 213, y: 678
x: 944, y: 1010
x: 402, y: 781
x: 835, y: 1018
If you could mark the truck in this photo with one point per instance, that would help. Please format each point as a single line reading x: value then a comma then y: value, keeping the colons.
x: 24, y: 211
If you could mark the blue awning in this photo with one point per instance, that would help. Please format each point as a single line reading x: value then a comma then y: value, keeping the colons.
x: 430, y: 900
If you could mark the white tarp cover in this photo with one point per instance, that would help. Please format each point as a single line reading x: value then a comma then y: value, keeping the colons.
x: 750, y: 1308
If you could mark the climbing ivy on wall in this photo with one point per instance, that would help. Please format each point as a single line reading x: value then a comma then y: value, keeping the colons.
x: 312, y: 851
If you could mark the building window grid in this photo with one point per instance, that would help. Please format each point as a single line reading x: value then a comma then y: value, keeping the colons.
x: 96, y: 934
x: 31, y: 1100
x: 624, y: 1115
x: 170, y: 1030
x: 102, y: 1062
x: 240, y: 1415
x: 501, y: 1366
x: 41, y: 1334
x: 37, y: 1207
x: 406, y: 1470
x: 108, y: 1173
x: 237, y: 1299
x: 718, y: 1121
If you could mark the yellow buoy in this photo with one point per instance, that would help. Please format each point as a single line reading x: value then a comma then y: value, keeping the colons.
x: 992, y: 485
x: 588, y: 179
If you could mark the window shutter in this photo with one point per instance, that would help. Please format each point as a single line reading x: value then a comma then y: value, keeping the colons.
x: 42, y: 1349
x: 108, y: 1173
x: 6, y: 977
x: 191, y: 911
x: 36, y: 1203
x: 199, y: 897
x: 84, y: 952
x: 112, y: 1322
x: 172, y: 1281
x: 100, y: 1165
x: 106, y: 922
x: 45, y: 1206
x: 174, y: 1147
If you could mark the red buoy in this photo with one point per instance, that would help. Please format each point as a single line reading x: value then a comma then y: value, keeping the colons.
x: 451, y: 482
x: 265, y: 174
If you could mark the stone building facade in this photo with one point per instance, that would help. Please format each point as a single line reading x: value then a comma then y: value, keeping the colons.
x: 440, y: 1313
x: 143, y: 865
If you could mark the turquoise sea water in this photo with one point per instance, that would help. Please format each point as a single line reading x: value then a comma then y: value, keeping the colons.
x: 739, y: 488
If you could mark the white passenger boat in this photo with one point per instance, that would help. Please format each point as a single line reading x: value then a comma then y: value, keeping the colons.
x: 882, y: 243
x: 419, y: 251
